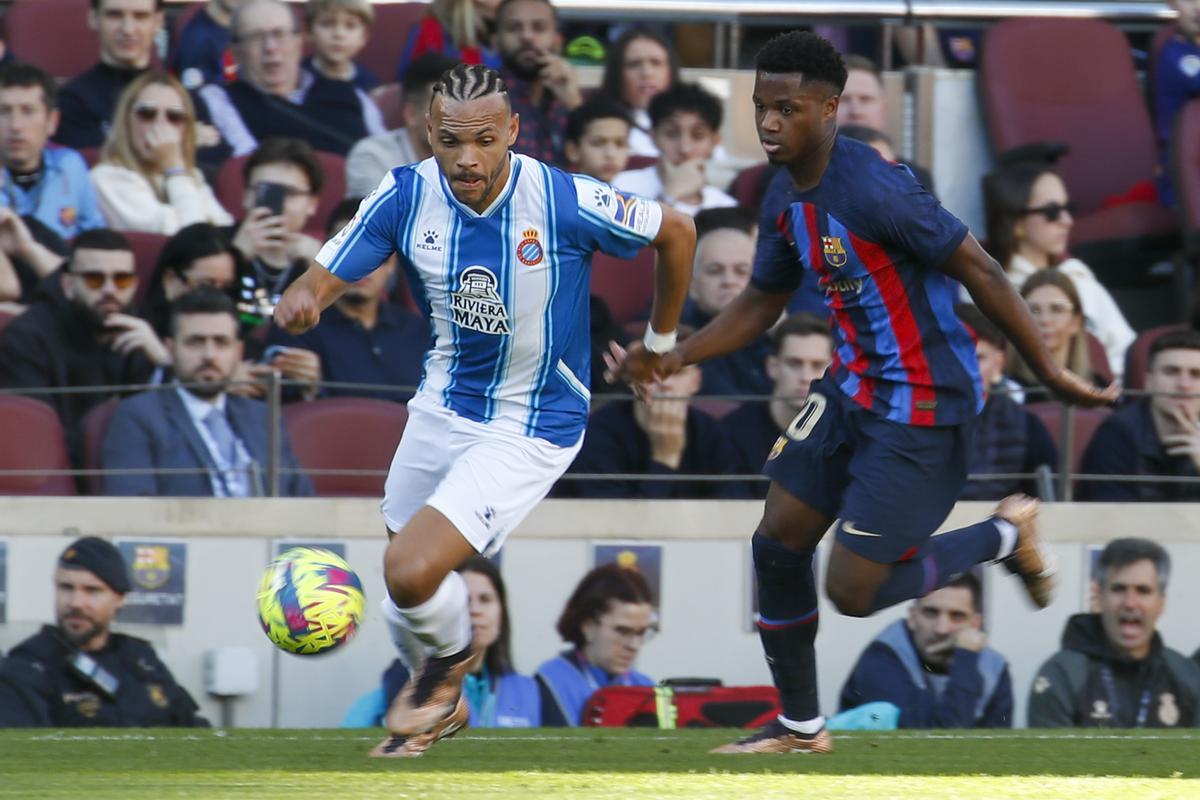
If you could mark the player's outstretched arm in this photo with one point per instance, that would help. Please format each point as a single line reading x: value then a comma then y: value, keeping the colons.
x: 748, y: 316
x: 302, y: 303
x: 999, y: 301
x: 676, y: 247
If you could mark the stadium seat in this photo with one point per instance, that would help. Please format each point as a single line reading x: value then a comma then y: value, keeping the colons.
x: 5, y: 318
x: 626, y: 286
x: 750, y: 185
x: 1137, y: 357
x: 1073, y: 81
x: 717, y: 409
x: 146, y: 248
x: 229, y: 188
x: 94, y: 427
x: 1083, y: 425
x: 345, y: 433
x: 32, y: 438
x: 1098, y: 357
x: 388, y: 37
x: 641, y: 162
x: 91, y: 155
x: 390, y: 99
x: 53, y: 34
x: 1185, y: 163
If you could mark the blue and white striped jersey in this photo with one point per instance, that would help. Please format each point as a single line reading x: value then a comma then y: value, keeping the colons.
x: 506, y: 290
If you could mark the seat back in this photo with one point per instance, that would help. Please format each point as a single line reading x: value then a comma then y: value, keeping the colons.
x: 1098, y: 357
x: 1073, y: 81
x: 387, y: 38
x: 5, y: 318
x: 53, y: 34
x: 345, y: 433
x: 750, y: 185
x: 1137, y: 357
x: 1185, y: 162
x: 94, y: 427
x: 32, y: 438
x: 1083, y: 425
x: 389, y: 97
x: 627, y: 286
x: 146, y: 249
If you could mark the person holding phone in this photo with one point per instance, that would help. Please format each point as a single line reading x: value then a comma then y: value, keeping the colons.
x: 147, y: 178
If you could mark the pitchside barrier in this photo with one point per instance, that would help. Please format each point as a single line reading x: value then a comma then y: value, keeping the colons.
x: 197, y: 564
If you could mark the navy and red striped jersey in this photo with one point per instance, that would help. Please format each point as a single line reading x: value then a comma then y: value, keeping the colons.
x: 875, y: 239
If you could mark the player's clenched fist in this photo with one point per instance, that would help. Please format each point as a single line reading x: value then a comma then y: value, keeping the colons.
x: 298, y: 310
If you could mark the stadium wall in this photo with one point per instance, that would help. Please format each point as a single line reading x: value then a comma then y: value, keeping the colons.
x: 705, y: 580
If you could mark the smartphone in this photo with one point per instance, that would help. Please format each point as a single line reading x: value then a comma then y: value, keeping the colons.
x: 269, y: 354
x: 270, y: 196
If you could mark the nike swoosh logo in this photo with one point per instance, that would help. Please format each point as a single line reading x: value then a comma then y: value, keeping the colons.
x: 849, y: 528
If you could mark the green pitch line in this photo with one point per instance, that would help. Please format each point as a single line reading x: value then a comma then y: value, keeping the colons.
x: 592, y: 763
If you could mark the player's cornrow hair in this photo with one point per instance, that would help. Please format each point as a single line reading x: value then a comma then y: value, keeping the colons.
x: 469, y: 82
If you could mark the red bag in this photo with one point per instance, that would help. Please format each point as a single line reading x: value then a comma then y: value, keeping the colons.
x: 683, y: 705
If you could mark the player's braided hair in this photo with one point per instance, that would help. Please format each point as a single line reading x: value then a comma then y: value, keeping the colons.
x: 805, y: 53
x: 469, y: 82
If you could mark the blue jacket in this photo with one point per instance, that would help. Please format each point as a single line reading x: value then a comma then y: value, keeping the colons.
x: 63, y: 200
x: 976, y: 693
x: 568, y: 680
x: 153, y: 430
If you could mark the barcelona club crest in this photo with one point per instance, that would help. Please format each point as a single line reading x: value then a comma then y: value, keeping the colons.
x: 151, y: 566
x: 835, y: 252
x: 529, y: 251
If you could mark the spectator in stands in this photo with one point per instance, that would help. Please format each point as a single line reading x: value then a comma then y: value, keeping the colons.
x: 197, y: 425
x: 460, y: 29
x: 876, y: 138
x: 362, y: 338
x: 720, y: 271
x: 202, y: 53
x: 1008, y: 439
x: 147, y: 178
x: 274, y: 96
x: 78, y: 332
x: 497, y: 695
x: 863, y: 103
x: 126, y: 29
x: 639, y: 65
x: 935, y: 665
x: 1176, y: 76
x: 40, y: 181
x: 78, y: 672
x: 542, y: 86
x: 1113, y: 670
x: 685, y: 123
x: 596, y: 141
x: 1156, y: 435
x: 339, y: 30
x: 1029, y: 218
x: 1056, y: 308
x: 197, y: 255
x: 374, y: 156
x: 661, y: 436
x: 607, y: 620
x: 802, y: 349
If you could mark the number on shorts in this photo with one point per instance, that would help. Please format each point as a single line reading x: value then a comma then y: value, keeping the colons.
x: 807, y: 419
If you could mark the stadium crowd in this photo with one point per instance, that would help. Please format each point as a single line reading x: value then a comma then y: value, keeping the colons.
x: 154, y: 207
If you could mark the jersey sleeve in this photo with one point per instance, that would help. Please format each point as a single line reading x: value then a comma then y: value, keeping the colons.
x: 369, y: 238
x: 777, y: 267
x: 915, y: 221
x: 612, y: 221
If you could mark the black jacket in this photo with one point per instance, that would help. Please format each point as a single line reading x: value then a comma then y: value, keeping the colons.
x: 1126, y: 443
x: 40, y: 688
x: 1088, y: 684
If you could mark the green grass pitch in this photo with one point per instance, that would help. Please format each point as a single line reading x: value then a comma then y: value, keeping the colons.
x: 595, y: 763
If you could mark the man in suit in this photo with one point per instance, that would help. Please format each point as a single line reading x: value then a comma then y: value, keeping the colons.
x: 197, y: 425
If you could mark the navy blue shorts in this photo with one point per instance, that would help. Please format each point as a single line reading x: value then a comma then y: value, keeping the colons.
x: 889, y: 483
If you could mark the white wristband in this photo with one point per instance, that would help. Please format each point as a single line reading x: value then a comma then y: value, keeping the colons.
x: 659, y: 343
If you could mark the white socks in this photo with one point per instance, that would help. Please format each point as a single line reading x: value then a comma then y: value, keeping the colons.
x: 439, y: 627
x: 1008, y: 537
x: 808, y: 727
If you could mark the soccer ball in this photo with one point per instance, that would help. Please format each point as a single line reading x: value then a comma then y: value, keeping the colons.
x: 310, y: 601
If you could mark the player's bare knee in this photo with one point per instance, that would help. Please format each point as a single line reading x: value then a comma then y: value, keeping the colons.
x: 410, y: 578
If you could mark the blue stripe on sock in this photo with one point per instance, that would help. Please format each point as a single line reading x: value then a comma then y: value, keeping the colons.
x: 779, y: 624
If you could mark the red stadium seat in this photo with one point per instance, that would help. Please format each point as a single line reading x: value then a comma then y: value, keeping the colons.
x: 53, y: 34
x: 94, y: 426
x: 1083, y: 425
x: 1073, y: 81
x: 626, y: 286
x: 1185, y: 163
x: 388, y: 36
x: 1098, y: 357
x: 32, y: 438
x: 390, y: 99
x: 1137, y: 357
x: 5, y: 318
x: 717, y: 409
x: 641, y: 162
x: 146, y: 248
x: 750, y: 185
x: 91, y: 155
x: 345, y: 433
x: 230, y: 189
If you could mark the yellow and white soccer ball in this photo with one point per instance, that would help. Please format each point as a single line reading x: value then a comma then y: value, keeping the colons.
x: 310, y: 601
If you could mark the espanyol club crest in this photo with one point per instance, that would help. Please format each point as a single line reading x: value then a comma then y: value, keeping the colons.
x: 529, y: 251
x: 835, y: 253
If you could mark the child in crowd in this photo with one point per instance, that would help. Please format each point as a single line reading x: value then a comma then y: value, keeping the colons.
x: 597, y: 139
x: 339, y: 31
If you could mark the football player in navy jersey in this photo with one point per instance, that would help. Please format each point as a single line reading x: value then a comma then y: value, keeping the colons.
x: 497, y: 248
x: 880, y: 450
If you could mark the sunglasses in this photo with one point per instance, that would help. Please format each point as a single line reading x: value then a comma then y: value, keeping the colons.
x: 175, y: 116
x: 95, y: 279
x: 1052, y: 211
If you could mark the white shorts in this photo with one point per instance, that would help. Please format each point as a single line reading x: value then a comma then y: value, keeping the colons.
x: 483, y: 480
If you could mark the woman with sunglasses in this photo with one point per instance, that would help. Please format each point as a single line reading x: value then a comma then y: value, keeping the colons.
x: 1029, y: 218
x: 1058, y: 311
x: 147, y: 178
x: 607, y: 620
